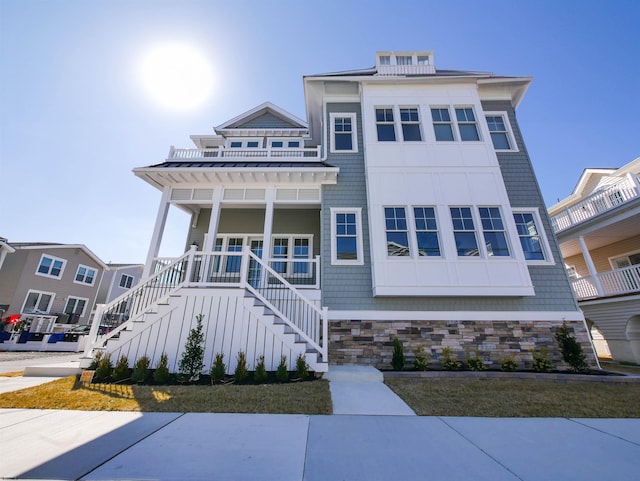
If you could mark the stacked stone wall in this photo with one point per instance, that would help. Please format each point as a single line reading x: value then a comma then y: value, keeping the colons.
x: 371, y: 342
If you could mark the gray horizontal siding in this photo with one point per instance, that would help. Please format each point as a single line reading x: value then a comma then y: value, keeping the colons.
x: 267, y: 121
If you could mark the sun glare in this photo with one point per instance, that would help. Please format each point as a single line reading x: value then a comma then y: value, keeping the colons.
x: 176, y: 76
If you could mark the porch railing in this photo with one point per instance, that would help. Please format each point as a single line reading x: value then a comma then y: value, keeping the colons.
x: 619, y: 193
x: 301, y: 154
x: 618, y: 281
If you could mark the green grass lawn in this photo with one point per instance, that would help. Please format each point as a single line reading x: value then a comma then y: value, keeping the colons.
x: 518, y: 398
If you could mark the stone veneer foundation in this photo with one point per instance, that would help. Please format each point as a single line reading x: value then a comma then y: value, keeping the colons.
x: 371, y: 342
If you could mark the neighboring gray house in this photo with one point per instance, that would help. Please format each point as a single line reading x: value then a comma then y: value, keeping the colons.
x: 118, y: 279
x: 406, y: 206
x: 43, y: 285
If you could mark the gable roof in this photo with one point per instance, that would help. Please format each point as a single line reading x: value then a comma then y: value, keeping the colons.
x: 271, y: 114
x: 54, y: 245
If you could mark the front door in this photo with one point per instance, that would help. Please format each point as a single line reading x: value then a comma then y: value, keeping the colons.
x: 255, y: 269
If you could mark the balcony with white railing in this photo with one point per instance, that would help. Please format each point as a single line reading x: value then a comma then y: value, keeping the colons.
x: 605, y: 284
x: 621, y: 192
x: 252, y: 154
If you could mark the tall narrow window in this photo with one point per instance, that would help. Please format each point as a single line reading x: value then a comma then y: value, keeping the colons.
x: 410, y: 124
x: 301, y: 251
x: 280, y: 251
x: 385, y: 125
x: 499, y: 132
x: 442, y: 124
x: 346, y: 235
x: 467, y: 124
x: 403, y: 60
x: 343, y: 132
x: 529, y: 236
x: 493, y: 231
x: 396, y: 229
x: 234, y: 261
x: 426, y: 231
x: 464, y: 231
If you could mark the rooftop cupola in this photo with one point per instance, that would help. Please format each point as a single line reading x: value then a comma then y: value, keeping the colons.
x: 405, y: 63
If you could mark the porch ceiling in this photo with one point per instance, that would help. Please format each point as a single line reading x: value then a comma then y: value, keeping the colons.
x: 601, y: 237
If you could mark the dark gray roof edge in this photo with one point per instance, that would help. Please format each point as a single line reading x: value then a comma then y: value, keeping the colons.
x: 231, y: 164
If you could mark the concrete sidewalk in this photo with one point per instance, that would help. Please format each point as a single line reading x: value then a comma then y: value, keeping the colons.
x: 65, y: 445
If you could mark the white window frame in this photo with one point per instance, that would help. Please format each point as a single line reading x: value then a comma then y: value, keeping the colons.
x: 546, y: 248
x: 414, y: 230
x: 359, y: 260
x: 407, y: 231
x: 410, y: 122
x: 291, y: 259
x: 40, y: 293
x: 476, y: 224
x: 53, y: 259
x: 129, y: 281
x: 504, y: 231
x: 622, y: 256
x: 76, y: 299
x: 354, y: 130
x: 386, y: 122
x: 509, y: 133
x: 244, y: 142
x: 451, y: 123
x: 285, y: 142
x: 82, y: 282
x: 466, y: 122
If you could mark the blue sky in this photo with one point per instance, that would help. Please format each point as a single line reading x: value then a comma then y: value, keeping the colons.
x: 75, y: 120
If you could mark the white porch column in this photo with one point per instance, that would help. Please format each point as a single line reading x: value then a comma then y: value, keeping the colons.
x: 158, y: 231
x: 212, y: 232
x: 268, y: 223
x: 590, y: 266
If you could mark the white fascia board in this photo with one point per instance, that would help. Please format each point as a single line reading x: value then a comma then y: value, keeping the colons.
x: 517, y: 316
x: 609, y: 300
x: 518, y: 87
x: 457, y: 291
x: 4, y: 246
x: 82, y: 247
x: 200, y: 140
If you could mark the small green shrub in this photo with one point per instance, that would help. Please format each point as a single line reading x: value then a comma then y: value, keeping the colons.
x: 397, y: 358
x: 192, y: 360
x: 121, y: 371
x: 161, y: 374
x: 475, y: 363
x: 421, y: 359
x: 571, y: 350
x: 541, y: 362
x: 141, y: 369
x: 241, y: 373
x: 96, y: 360
x: 104, y: 368
x: 260, y: 374
x: 302, y: 368
x: 282, y: 375
x: 509, y: 363
x: 448, y: 360
x: 219, y: 369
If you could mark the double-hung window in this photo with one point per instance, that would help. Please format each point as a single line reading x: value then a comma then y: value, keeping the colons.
x: 493, y: 231
x: 85, y: 275
x: 301, y: 250
x: 51, y: 266
x: 280, y: 251
x: 37, y: 302
x: 500, y: 135
x: 467, y: 124
x: 530, y: 238
x: 396, y: 229
x: 385, y: 125
x: 426, y: 231
x: 442, y: 124
x: 464, y: 232
x: 234, y: 261
x: 126, y: 281
x: 410, y: 121
x: 343, y: 129
x: 346, y: 236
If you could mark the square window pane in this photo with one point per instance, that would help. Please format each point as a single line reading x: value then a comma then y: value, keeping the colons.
x: 397, y: 244
x: 346, y: 248
x: 443, y: 132
x: 496, y: 244
x: 466, y: 244
x: 343, y: 142
x: 386, y: 133
x: 500, y: 141
x: 428, y: 244
x: 411, y: 132
x: 468, y: 132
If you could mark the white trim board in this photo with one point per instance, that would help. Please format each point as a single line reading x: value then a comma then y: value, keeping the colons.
x: 517, y: 316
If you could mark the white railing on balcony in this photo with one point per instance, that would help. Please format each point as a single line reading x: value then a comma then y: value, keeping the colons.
x: 618, y: 281
x: 422, y: 69
x: 300, y: 155
x: 619, y: 193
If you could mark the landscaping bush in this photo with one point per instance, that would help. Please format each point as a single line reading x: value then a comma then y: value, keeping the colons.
x: 192, y: 360
x: 260, y: 375
x: 475, y: 363
x: 571, y: 350
x: 448, y: 360
x: 509, y: 363
x: 96, y: 360
x: 302, y: 368
x: 141, y: 369
x: 219, y: 369
x: 104, y: 368
x: 121, y: 371
x: 282, y: 375
x: 421, y: 359
x: 541, y: 363
x: 161, y: 374
x: 241, y: 373
x: 397, y: 358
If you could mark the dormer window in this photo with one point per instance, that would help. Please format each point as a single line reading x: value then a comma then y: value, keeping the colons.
x: 385, y: 59
x: 245, y: 144
x: 405, y: 63
x: 403, y: 60
x: 284, y: 143
x: 423, y: 60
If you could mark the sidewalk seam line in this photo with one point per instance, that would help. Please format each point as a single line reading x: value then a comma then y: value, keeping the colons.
x: 603, y: 432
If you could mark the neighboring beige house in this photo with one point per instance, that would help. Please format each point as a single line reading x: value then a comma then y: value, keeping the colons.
x: 598, y: 228
x: 117, y: 280
x: 46, y: 288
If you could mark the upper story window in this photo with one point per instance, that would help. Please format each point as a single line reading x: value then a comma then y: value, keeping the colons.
x: 245, y: 144
x: 532, y: 239
x: 37, y: 302
x: 126, y: 281
x: 51, y: 266
x: 423, y: 60
x: 294, y: 247
x: 346, y: 236
x: 493, y: 231
x: 499, y: 129
x: 85, y: 275
x: 464, y: 232
x: 403, y: 60
x: 397, y: 233
x: 467, y: 124
x: 410, y: 120
x: 385, y: 125
x: 426, y: 231
x: 442, y: 124
x: 284, y: 144
x: 343, y: 132
x: 385, y: 59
